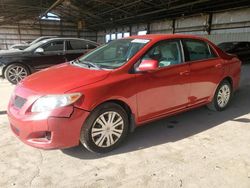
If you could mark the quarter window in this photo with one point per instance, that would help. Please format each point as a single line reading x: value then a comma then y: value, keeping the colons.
x: 198, y: 50
x: 166, y: 52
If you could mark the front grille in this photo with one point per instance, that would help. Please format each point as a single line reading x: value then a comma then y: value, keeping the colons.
x: 19, y: 101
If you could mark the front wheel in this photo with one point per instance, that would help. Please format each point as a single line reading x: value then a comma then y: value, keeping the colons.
x: 222, y: 97
x: 105, y: 128
x: 15, y: 73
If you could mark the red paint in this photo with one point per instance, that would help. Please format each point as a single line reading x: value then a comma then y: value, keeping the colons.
x: 148, y: 65
x: 150, y: 95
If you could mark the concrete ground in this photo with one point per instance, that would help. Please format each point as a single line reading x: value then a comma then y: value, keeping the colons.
x: 198, y: 148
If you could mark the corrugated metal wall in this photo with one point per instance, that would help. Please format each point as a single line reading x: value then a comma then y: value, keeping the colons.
x: 27, y: 31
x: 231, y: 25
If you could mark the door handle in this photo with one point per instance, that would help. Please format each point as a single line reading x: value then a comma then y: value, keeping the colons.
x: 219, y: 65
x: 185, y: 73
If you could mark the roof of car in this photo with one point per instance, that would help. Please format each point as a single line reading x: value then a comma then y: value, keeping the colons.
x: 165, y: 36
x: 48, y: 36
x: 234, y: 42
x: 69, y: 38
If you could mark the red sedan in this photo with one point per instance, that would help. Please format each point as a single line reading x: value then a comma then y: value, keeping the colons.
x: 102, y: 96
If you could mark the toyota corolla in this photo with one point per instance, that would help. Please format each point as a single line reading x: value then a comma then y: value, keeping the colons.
x: 97, y: 99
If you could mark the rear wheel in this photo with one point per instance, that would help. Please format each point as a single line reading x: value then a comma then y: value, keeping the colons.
x: 105, y: 129
x: 222, y: 97
x: 15, y: 73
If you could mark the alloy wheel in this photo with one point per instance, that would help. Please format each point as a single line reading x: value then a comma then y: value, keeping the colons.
x: 17, y: 73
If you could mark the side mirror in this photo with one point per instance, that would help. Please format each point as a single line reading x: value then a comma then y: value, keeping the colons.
x: 148, y: 65
x: 39, y: 51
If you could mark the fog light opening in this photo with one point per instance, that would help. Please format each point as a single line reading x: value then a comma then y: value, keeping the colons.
x: 48, y: 135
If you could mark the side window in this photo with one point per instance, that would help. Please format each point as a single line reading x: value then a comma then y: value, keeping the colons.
x: 53, y: 46
x: 198, y: 50
x: 76, y: 45
x: 166, y: 52
x: 91, y: 46
x: 79, y: 45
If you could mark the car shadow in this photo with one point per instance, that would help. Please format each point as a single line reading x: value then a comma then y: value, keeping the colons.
x: 180, y: 126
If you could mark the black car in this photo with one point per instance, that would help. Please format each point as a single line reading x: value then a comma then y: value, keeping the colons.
x: 17, y: 64
x: 241, y: 49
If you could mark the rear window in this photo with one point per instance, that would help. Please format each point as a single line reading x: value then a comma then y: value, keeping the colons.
x: 243, y: 45
x: 226, y: 46
x: 198, y: 50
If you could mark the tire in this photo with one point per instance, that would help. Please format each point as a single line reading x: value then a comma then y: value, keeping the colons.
x: 99, y: 136
x: 222, y: 97
x: 14, y: 73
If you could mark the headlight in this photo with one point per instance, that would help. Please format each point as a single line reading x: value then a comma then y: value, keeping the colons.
x: 50, y: 102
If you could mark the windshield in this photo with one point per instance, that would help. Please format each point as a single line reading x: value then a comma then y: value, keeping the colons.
x: 41, y: 38
x: 114, y: 54
x: 37, y: 40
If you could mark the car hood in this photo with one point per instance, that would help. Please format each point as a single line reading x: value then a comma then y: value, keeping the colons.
x: 11, y: 52
x: 62, y: 78
x: 14, y: 45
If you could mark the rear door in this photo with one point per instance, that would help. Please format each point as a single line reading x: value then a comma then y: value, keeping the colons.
x: 206, y: 70
x: 75, y: 48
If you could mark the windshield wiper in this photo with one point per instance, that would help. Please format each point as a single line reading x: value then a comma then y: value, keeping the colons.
x: 88, y: 63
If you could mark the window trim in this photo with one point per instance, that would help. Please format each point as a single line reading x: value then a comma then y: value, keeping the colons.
x: 211, y: 48
x: 187, y: 58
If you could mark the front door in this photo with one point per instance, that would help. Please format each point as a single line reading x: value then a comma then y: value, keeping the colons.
x: 166, y: 89
x: 53, y: 54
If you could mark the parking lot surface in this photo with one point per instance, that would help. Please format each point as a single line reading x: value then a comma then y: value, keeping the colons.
x: 199, y: 148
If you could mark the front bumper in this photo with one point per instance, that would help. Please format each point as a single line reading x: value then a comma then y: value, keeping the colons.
x: 47, y: 132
